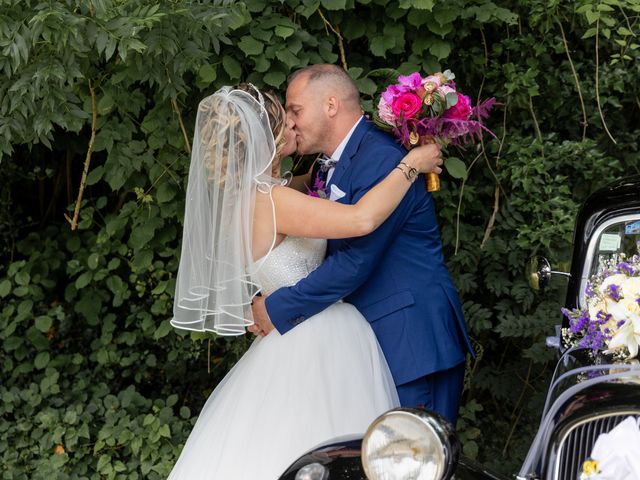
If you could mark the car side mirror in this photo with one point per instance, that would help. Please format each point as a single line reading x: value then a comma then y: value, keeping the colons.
x: 539, y: 273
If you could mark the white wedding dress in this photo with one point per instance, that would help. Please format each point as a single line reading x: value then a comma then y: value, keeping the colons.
x: 324, y: 379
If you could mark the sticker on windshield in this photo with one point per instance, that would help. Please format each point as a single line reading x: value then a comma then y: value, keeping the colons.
x: 631, y: 228
x: 609, y: 242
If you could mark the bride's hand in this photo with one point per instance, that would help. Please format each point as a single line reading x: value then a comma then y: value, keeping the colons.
x: 425, y: 159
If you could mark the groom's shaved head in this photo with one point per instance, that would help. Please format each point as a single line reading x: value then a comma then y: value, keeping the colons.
x: 332, y: 78
x: 323, y: 104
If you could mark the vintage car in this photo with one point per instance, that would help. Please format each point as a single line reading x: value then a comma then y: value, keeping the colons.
x: 587, y: 395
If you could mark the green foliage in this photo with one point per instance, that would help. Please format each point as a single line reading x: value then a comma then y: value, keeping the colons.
x: 95, y: 382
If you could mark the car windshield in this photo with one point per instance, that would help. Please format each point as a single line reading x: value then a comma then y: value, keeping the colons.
x: 614, y: 241
x: 575, y: 371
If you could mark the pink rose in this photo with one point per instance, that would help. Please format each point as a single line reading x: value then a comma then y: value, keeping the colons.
x: 385, y: 113
x: 406, y: 105
x: 461, y: 110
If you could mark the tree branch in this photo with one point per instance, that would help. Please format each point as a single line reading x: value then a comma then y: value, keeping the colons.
x: 176, y: 109
x: 87, y: 160
x: 336, y: 30
x: 576, y: 80
x: 604, y: 123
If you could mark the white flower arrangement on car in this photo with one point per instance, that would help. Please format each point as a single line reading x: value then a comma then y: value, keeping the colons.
x: 610, y: 322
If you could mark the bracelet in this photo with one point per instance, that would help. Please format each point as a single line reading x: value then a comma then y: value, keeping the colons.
x: 411, y: 174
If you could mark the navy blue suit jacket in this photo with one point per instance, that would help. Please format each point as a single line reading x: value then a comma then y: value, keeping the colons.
x: 396, y: 276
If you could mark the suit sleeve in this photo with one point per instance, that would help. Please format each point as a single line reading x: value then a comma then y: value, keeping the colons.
x: 348, y: 268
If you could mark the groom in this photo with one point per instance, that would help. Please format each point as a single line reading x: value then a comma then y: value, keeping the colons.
x: 396, y: 276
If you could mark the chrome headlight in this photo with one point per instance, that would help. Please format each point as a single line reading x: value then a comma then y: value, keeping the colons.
x: 410, y: 444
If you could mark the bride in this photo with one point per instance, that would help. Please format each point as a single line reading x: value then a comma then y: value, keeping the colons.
x: 328, y: 377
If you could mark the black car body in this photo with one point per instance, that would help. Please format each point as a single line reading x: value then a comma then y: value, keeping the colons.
x: 587, y: 396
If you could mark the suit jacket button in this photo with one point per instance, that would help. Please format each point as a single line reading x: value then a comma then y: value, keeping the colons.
x: 300, y: 319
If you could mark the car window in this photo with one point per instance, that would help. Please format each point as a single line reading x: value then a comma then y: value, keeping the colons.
x: 614, y: 241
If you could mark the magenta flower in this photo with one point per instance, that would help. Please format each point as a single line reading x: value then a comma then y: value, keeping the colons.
x: 413, y: 82
x: 394, y: 91
x: 406, y: 105
x: 461, y: 110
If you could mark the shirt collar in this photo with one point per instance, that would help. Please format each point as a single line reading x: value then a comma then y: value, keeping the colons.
x: 338, y: 151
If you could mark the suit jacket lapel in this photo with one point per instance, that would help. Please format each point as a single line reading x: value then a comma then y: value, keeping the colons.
x: 350, y: 150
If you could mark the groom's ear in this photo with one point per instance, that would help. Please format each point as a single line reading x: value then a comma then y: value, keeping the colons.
x: 333, y: 106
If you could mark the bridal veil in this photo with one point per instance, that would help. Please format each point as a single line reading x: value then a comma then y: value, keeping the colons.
x: 233, y: 149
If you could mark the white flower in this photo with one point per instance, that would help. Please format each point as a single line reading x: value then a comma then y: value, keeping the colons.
x: 628, y: 335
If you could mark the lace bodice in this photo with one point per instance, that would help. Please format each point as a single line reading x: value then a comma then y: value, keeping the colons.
x: 292, y: 260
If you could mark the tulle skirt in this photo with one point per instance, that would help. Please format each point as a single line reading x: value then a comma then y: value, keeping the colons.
x: 289, y: 393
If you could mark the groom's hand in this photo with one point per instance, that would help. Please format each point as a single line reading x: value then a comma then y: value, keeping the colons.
x: 262, y: 323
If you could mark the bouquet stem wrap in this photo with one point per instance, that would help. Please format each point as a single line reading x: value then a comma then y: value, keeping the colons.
x: 432, y: 182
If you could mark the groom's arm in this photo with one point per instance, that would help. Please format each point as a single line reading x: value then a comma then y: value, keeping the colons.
x: 348, y: 268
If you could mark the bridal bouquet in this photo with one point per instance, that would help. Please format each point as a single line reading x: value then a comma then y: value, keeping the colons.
x: 611, y: 319
x: 430, y: 110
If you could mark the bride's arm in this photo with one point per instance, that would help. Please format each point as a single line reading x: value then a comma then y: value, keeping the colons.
x: 302, y: 215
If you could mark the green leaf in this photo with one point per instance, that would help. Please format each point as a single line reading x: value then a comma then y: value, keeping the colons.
x: 418, y: 4
x: 592, y: 16
x: 288, y: 58
x: 162, y: 331
x: 93, y: 261
x: 334, y: 4
x: 104, y: 464
x: 262, y: 64
x: 95, y: 175
x: 5, y: 288
x: 456, y: 168
x: 440, y: 29
x: 275, y: 79
x: 165, y: 193
x: 42, y: 360
x: 148, y: 420
x: 83, y: 280
x: 284, y: 31
x: 446, y: 13
x: 380, y: 45
x: 353, y: 28
x: 43, y: 323
x: 105, y: 104
x: 207, y: 74
x: 451, y: 99
x: 22, y: 278
x: 367, y: 86
x: 440, y: 49
x: 250, y: 46
x: 232, y: 67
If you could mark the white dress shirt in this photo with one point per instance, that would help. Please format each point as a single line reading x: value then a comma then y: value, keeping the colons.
x: 338, y: 151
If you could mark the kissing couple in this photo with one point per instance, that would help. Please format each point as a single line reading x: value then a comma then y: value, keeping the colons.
x: 358, y: 313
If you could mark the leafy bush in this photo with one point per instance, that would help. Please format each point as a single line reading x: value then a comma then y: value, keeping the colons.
x: 95, y: 383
